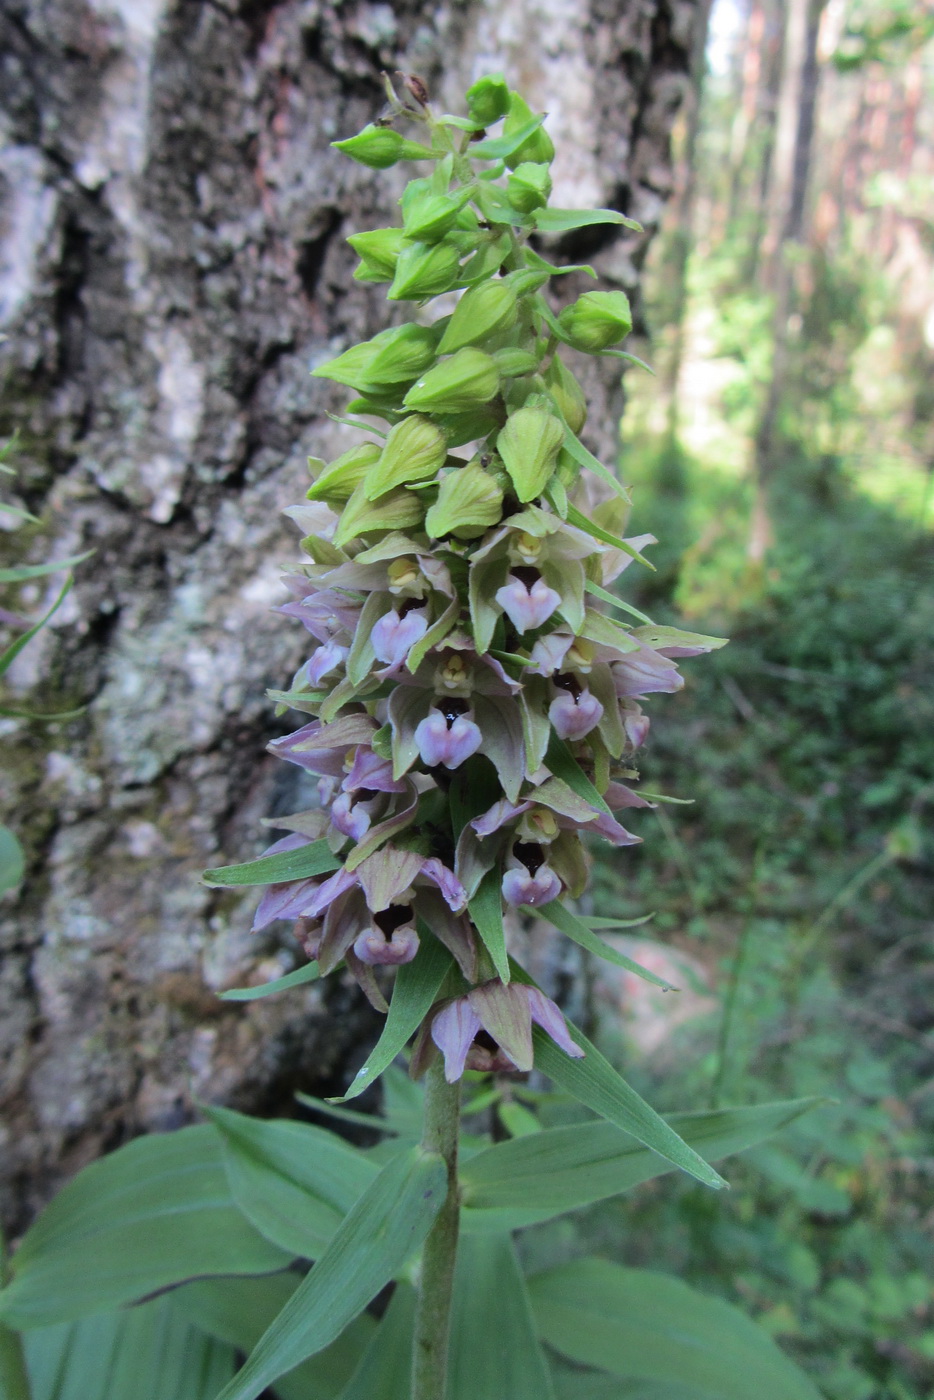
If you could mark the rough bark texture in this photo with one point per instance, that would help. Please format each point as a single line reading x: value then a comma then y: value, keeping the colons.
x: 171, y: 264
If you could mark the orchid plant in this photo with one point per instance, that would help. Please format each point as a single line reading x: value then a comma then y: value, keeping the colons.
x: 473, y: 688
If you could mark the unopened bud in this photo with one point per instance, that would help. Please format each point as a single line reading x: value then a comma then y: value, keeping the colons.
x: 379, y: 250
x: 529, y: 187
x: 431, y: 216
x: 414, y: 451
x: 398, y: 510
x: 465, y: 380
x: 538, y: 148
x: 468, y: 503
x: 425, y: 270
x: 526, y: 279
x: 596, y: 320
x: 488, y: 99
x: 381, y: 146
x: 337, y: 482
x: 404, y: 353
x: 482, y: 311
x: 529, y: 446
x: 567, y: 394
x: 512, y: 361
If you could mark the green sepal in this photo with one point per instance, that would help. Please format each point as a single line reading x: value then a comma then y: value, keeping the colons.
x: 567, y: 393
x: 430, y: 217
x: 511, y: 361
x: 488, y: 99
x: 380, y: 146
x: 537, y: 147
x: 379, y: 249
x: 415, y: 450
x: 397, y: 510
x: 528, y: 445
x: 529, y: 186
x: 484, y: 310
x: 425, y: 270
x: 596, y: 320
x: 337, y: 482
x: 469, y: 378
x: 468, y: 503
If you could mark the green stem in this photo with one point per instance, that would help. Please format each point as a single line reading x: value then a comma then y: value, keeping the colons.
x: 436, y: 1279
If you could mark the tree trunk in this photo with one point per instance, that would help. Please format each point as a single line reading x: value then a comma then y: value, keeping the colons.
x: 172, y: 263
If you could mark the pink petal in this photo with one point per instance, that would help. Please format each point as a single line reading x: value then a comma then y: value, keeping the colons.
x: 453, y: 1030
x: 547, y: 1015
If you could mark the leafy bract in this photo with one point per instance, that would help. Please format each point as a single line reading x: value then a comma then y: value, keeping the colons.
x: 294, y: 1182
x: 486, y: 911
x: 494, y: 1347
x: 147, y: 1353
x: 149, y: 1215
x: 522, y: 1182
x: 372, y: 1244
x: 314, y: 859
x: 563, y: 918
x: 417, y: 985
x: 564, y: 220
x: 641, y: 1325
x: 298, y: 978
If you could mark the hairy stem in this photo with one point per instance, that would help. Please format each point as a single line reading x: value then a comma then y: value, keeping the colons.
x: 433, y: 1312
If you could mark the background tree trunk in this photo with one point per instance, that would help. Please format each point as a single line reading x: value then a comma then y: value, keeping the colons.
x: 172, y: 263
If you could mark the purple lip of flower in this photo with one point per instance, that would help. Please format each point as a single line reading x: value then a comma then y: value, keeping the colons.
x: 352, y: 817
x: 506, y: 1013
x: 643, y: 672
x: 522, y: 887
x: 395, y: 634
x: 526, y: 599
x: 324, y: 660
x: 390, y: 941
x: 446, y: 736
x: 574, y: 714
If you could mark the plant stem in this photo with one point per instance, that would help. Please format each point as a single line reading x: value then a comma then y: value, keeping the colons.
x: 433, y: 1311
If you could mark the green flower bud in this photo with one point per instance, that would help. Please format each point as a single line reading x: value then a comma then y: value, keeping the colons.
x: 406, y: 353
x: 465, y: 380
x: 425, y: 270
x: 567, y: 394
x: 380, y: 146
x: 414, y: 451
x: 468, y: 503
x: 482, y: 311
x: 529, y: 446
x: 488, y: 99
x: 529, y: 187
x: 337, y: 482
x: 539, y: 148
x: 512, y: 361
x: 433, y: 215
x: 596, y: 320
x: 459, y: 428
x: 351, y: 367
x: 526, y: 279
x: 379, y: 250
x: 399, y: 510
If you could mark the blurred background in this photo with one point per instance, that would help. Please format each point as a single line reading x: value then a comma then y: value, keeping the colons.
x: 172, y: 264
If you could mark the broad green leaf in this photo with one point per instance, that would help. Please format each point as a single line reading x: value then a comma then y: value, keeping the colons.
x: 385, y: 1368
x: 145, y: 1353
x: 294, y: 1182
x: 298, y: 978
x: 417, y: 985
x: 238, y: 1311
x: 486, y: 910
x: 315, y: 859
x: 571, y: 1383
x: 14, y: 649
x: 595, y: 1083
x: 149, y: 1215
x: 498, y: 147
x: 606, y: 596
x: 562, y: 918
x: 12, y: 860
x: 564, y: 220
x: 26, y: 571
x: 642, y: 1325
x: 385, y: 1227
x: 494, y: 1348
x: 583, y: 522
x: 525, y: 1181
x: 562, y: 764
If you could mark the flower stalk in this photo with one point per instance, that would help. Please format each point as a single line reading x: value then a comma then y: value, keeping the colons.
x: 436, y: 1275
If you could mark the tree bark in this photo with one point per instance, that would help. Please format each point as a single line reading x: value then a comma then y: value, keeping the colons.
x: 172, y: 263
